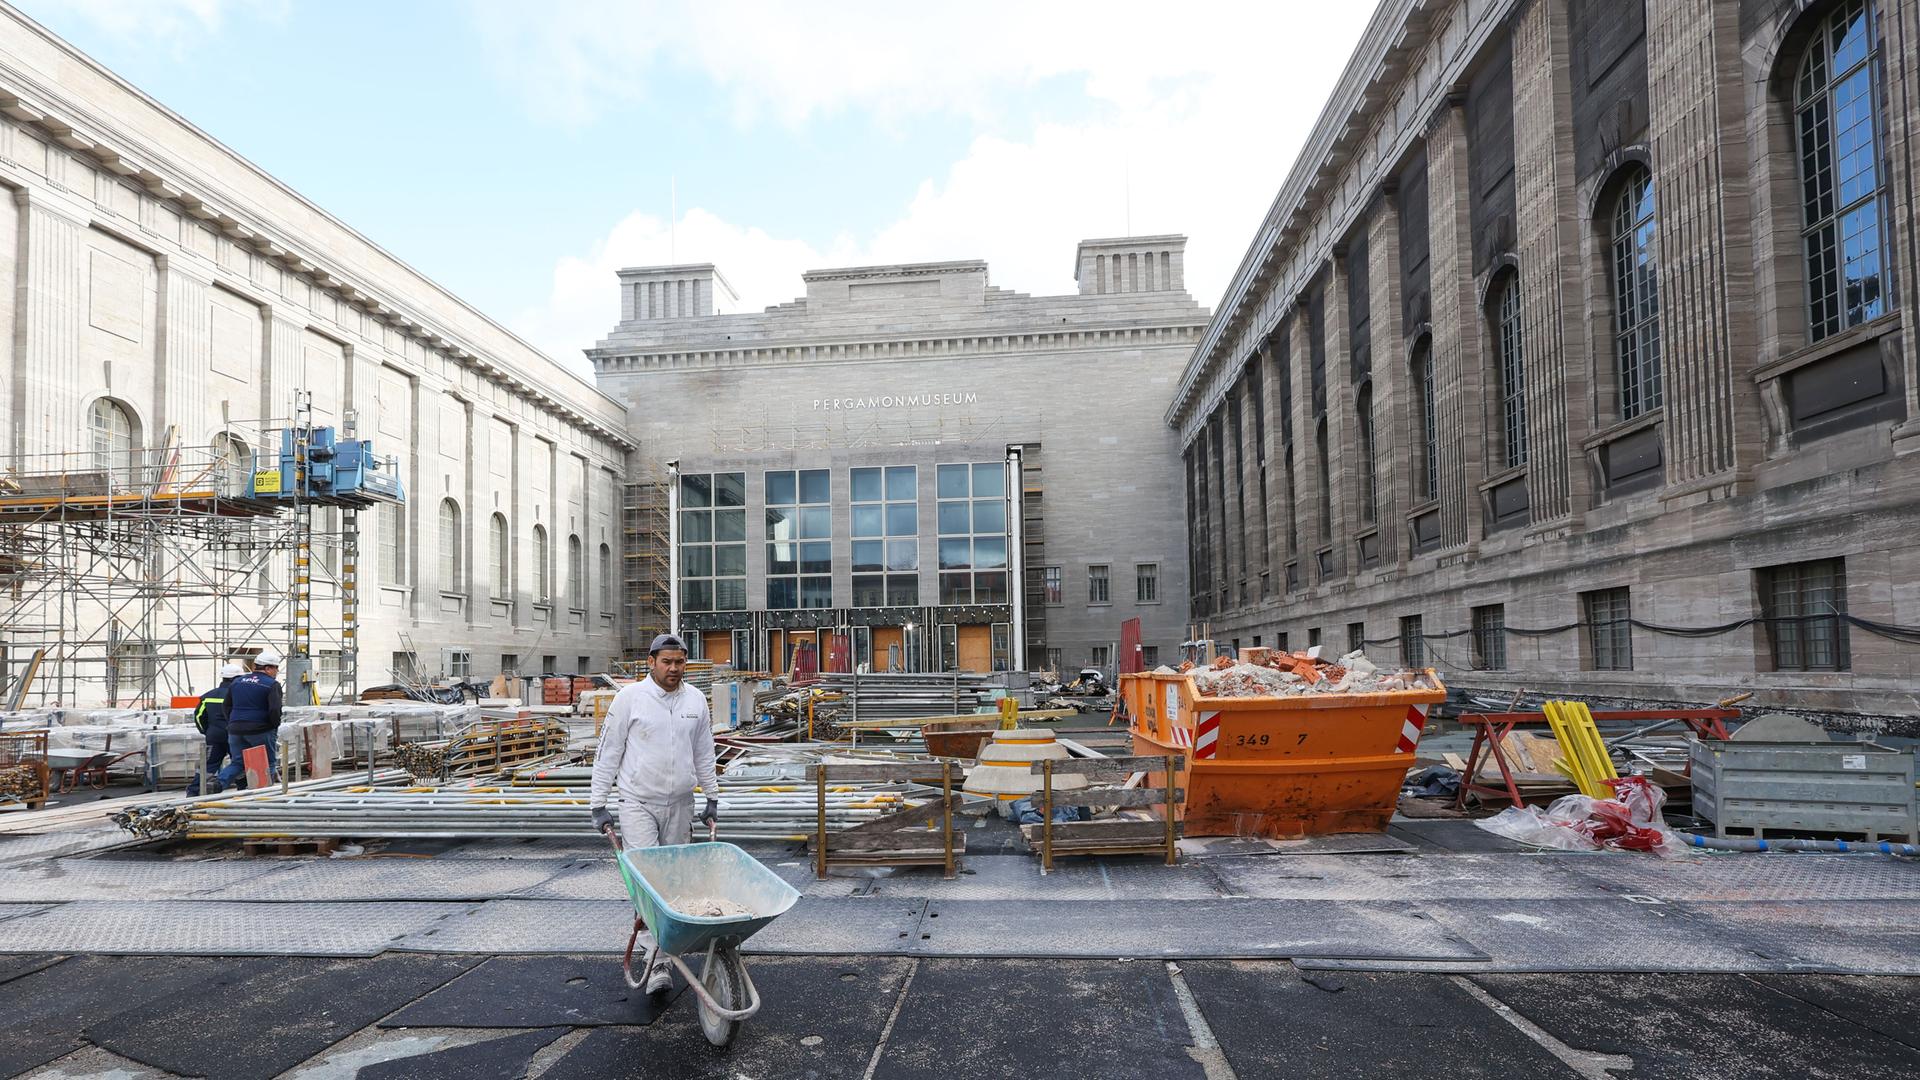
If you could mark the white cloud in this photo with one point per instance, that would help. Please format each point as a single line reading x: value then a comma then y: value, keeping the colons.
x: 1188, y: 125
x: 168, y: 23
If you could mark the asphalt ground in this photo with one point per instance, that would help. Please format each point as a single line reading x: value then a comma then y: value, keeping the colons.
x: 424, y: 1017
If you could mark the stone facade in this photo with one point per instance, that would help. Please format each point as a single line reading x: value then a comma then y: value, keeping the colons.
x: 1744, y: 519
x: 147, y: 263
x: 924, y: 365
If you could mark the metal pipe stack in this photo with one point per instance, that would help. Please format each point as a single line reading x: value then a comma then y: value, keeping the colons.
x: 906, y: 696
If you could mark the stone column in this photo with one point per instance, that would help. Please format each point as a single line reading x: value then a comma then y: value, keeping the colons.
x: 1698, y: 92
x: 1279, y: 497
x: 1341, y: 451
x: 1551, y: 288
x: 51, y: 378
x: 1900, y: 27
x: 1392, y: 394
x: 1459, y: 373
x: 1301, y: 527
x: 1232, y: 499
x: 186, y: 341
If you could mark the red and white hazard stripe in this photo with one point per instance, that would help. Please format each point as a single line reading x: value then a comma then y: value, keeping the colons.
x: 1206, y: 735
x: 1410, y: 729
x: 1181, y: 736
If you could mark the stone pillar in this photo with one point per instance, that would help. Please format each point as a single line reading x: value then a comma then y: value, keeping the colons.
x: 1392, y: 394
x: 1551, y: 287
x: 1279, y: 497
x: 1341, y: 451
x: 186, y: 341
x: 1232, y: 497
x: 1900, y: 27
x: 1301, y: 533
x: 1459, y: 373
x: 52, y: 379
x: 1698, y: 93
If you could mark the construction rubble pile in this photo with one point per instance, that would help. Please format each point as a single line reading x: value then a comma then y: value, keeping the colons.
x: 1280, y: 674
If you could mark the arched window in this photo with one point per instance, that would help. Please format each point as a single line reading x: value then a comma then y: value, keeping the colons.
x: 576, y: 574
x: 1429, y: 474
x: 1636, y: 297
x: 500, y: 556
x: 450, y: 546
x: 542, y: 567
x: 606, y: 578
x: 1369, y: 472
x: 233, y: 465
x: 1836, y: 110
x: 114, y: 434
x: 1511, y: 369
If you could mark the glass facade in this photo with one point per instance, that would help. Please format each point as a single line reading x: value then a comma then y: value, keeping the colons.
x: 886, y: 530
x: 972, y: 509
x: 713, y: 548
x: 799, y: 539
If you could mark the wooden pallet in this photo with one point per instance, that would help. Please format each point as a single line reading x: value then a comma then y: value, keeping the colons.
x: 1111, y: 836
x: 919, y: 836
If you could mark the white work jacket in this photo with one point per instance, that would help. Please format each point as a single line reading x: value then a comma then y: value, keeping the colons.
x: 655, y: 746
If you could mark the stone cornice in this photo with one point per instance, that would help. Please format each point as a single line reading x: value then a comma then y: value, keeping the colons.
x: 1381, y: 79
x: 905, y: 270
x: 32, y: 105
x: 612, y: 359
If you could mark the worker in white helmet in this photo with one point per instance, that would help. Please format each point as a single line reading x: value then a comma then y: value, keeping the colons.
x: 254, y: 702
x: 656, y: 745
x: 210, y: 716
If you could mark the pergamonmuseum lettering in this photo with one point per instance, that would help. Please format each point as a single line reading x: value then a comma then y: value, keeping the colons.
x: 895, y: 401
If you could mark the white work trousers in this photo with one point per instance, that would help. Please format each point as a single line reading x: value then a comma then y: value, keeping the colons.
x: 644, y: 825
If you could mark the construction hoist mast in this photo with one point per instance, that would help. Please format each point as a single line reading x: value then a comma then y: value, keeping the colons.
x: 349, y: 684
x: 300, y: 680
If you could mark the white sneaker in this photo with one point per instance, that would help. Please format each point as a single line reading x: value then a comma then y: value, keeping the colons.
x: 660, y: 977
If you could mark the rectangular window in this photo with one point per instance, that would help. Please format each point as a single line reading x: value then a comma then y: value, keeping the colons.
x: 549, y: 664
x: 1053, y: 660
x: 713, y: 549
x: 406, y: 667
x: 1608, y: 614
x: 1413, y: 646
x: 583, y: 665
x: 1102, y: 655
x: 800, y: 539
x: 393, y: 545
x: 1313, y: 637
x: 1805, y: 607
x: 1490, y: 638
x: 1097, y: 585
x: 972, y: 522
x: 510, y: 664
x: 886, y: 527
x: 1146, y: 583
x: 459, y: 663
x: 1149, y: 656
x: 1356, y: 636
x: 1050, y: 584
x: 1280, y: 641
x: 329, y: 668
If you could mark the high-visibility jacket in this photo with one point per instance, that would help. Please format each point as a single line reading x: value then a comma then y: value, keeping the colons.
x: 211, y: 715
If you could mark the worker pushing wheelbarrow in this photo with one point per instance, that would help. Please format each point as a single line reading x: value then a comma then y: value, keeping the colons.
x: 687, y: 898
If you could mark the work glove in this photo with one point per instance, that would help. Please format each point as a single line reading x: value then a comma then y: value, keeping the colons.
x: 602, y: 819
x: 711, y: 814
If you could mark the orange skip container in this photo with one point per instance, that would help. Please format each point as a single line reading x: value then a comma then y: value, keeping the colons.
x: 1280, y: 767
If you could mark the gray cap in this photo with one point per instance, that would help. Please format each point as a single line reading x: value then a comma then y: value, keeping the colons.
x: 666, y: 641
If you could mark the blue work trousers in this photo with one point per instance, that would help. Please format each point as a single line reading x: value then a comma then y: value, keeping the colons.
x: 238, y: 744
x: 217, y: 751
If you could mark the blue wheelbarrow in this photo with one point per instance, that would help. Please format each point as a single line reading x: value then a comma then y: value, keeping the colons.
x: 659, y: 877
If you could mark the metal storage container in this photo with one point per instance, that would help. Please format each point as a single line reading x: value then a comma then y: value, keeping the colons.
x: 1753, y: 788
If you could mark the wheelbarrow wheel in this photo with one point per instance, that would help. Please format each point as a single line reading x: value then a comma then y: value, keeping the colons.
x: 725, y: 979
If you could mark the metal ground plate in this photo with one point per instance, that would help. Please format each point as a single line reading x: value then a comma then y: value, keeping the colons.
x: 22, y: 847
x: 205, y: 928
x: 1844, y: 937
x: 394, y: 879
x: 529, y: 926
x: 1776, y: 876
x: 1197, y: 928
x: 1613, y: 934
x: 1408, y: 878
x: 1019, y: 877
x: 100, y: 879
x: 9, y: 911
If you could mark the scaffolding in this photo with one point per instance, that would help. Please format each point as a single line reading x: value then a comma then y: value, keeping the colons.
x: 139, y: 570
x: 646, y: 564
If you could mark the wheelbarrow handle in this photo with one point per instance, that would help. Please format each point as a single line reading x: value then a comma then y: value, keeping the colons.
x: 613, y: 837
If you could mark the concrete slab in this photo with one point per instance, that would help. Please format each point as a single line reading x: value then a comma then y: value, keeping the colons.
x: 310, y: 1003
x: 536, y: 992
x: 1702, y: 1027
x: 494, y: 1059
x: 1358, y: 1024
x: 1039, y: 1018
x: 1198, y: 928
x: 821, y: 1018
x: 47, y: 1010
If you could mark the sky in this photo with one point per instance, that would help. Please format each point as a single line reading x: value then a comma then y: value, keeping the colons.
x: 519, y: 152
